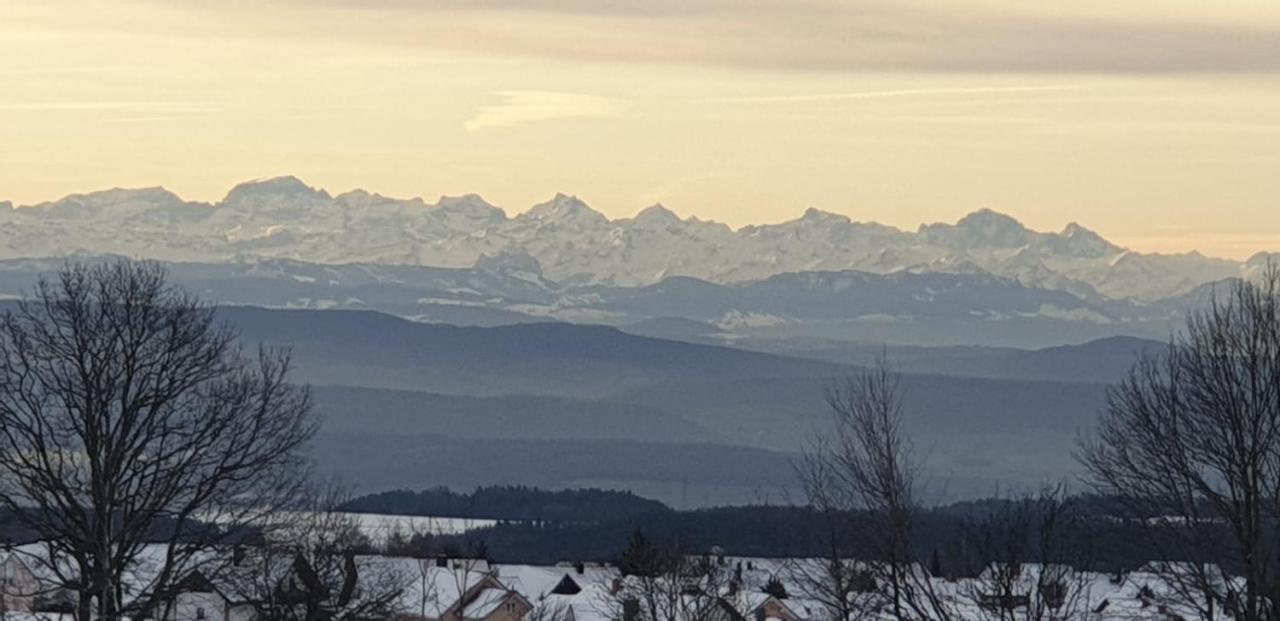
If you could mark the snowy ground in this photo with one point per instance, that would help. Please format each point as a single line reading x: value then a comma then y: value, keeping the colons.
x: 378, y: 526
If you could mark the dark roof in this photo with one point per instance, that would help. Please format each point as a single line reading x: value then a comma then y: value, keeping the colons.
x: 567, y: 586
x: 194, y: 582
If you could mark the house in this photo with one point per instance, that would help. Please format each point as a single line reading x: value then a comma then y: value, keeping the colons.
x: 469, y: 596
x: 196, y: 598
x: 492, y: 602
x: 18, y: 585
x: 27, y: 585
x: 771, y: 608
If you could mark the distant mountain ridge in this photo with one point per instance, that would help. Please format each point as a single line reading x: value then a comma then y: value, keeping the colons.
x: 903, y: 308
x: 566, y: 241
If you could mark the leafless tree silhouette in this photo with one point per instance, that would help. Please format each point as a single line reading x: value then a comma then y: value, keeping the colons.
x: 866, y: 468
x: 319, y: 566
x: 1190, y: 442
x: 129, y: 415
x: 1032, y: 553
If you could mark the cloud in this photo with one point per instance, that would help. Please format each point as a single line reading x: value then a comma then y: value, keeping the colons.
x: 972, y: 36
x: 914, y: 92
x: 113, y: 106
x: 523, y: 107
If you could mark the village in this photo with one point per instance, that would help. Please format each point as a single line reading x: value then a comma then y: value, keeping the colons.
x: 251, y: 585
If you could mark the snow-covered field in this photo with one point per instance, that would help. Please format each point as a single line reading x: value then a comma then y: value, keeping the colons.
x: 379, y: 526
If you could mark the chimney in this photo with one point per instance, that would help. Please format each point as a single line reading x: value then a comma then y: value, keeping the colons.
x: 630, y: 609
x: 615, y: 586
x: 579, y: 568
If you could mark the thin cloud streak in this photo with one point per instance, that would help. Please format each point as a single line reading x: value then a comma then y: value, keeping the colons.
x: 76, y: 106
x: 56, y: 71
x: 964, y: 36
x: 917, y: 92
x: 524, y: 107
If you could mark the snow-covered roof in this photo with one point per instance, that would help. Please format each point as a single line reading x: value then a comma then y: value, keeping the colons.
x: 431, y: 591
x: 485, y: 602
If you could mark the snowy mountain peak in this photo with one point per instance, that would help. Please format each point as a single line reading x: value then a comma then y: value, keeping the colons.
x: 1262, y: 259
x: 657, y: 214
x: 115, y: 196
x: 991, y: 222
x: 153, y: 194
x: 564, y: 208
x: 815, y: 215
x: 1080, y: 241
x: 116, y: 202
x: 574, y: 244
x: 273, y: 189
x: 363, y: 199
x: 1257, y: 265
x: 984, y: 227
x: 471, y: 204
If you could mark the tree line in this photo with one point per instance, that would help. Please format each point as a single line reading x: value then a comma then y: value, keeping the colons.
x: 510, y: 503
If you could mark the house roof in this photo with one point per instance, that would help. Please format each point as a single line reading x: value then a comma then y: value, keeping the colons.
x: 486, y: 602
x: 567, y: 586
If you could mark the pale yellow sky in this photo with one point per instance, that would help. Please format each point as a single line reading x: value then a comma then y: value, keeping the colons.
x: 1155, y: 122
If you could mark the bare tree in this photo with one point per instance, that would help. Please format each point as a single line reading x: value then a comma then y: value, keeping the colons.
x: 845, y: 587
x: 1033, y: 553
x: 1190, y: 443
x: 668, y: 585
x: 428, y: 591
x: 128, y: 416
x: 867, y: 467
x: 319, y: 567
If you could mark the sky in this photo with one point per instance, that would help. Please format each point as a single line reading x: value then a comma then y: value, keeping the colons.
x: 1155, y: 122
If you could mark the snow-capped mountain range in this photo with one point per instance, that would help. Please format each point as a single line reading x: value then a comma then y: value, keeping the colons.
x: 565, y: 241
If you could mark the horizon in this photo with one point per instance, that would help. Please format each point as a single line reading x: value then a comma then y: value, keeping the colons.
x: 614, y: 215
x: 1148, y: 122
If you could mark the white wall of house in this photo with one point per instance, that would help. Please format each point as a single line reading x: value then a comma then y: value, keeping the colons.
x: 198, y: 607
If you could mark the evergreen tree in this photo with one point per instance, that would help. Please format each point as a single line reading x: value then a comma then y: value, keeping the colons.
x: 935, y: 564
x: 643, y: 558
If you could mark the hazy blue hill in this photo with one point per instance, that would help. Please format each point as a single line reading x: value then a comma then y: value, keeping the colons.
x: 414, y: 405
x: 678, y: 474
x: 377, y: 350
x: 1104, y: 360
x: 979, y: 434
x: 530, y: 401
x: 675, y: 328
x: 354, y: 410
x: 783, y: 410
